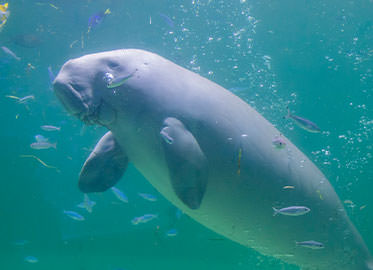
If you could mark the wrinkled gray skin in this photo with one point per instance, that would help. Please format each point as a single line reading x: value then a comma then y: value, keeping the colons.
x: 184, y: 133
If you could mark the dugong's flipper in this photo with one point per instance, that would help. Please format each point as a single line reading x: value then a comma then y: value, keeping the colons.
x: 186, y: 162
x: 104, y: 166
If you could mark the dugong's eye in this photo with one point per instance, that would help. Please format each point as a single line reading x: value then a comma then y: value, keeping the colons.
x: 108, y: 78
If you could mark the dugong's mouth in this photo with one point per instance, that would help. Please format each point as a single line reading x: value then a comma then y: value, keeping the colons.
x: 74, y: 102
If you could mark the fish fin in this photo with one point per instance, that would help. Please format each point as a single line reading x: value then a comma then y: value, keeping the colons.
x: 104, y: 167
x: 54, y: 145
x: 186, y: 162
x: 275, y: 211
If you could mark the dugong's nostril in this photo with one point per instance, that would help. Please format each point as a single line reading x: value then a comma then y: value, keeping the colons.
x: 69, y: 97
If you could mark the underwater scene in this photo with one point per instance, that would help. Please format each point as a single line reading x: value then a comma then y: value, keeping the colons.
x: 222, y: 134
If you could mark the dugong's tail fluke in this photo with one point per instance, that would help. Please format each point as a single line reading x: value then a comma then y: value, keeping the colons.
x: 370, y: 264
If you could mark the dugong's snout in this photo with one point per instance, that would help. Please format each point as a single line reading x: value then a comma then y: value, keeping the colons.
x: 70, y: 98
x: 78, y: 86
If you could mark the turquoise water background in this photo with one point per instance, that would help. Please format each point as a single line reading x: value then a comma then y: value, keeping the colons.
x: 314, y: 56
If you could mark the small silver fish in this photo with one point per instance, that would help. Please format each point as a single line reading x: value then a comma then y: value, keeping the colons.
x: 291, y: 211
x: 74, y: 215
x: 148, y: 197
x: 40, y: 138
x: 279, y: 142
x: 119, y: 194
x: 43, y: 145
x: 10, y: 53
x: 31, y: 259
x: 87, y: 204
x: 304, y: 123
x: 50, y: 128
x: 310, y: 244
x: 25, y: 99
x: 143, y: 219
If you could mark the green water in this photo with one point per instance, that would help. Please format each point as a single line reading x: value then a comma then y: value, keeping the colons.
x: 315, y: 56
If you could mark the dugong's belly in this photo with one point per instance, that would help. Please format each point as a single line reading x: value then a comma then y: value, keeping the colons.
x: 239, y: 205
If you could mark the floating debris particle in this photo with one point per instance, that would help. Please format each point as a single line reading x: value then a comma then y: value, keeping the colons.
x: 42, y: 162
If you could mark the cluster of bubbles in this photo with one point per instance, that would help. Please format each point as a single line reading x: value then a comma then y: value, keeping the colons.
x: 226, y: 51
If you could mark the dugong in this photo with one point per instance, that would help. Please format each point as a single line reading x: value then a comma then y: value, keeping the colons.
x: 210, y: 154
